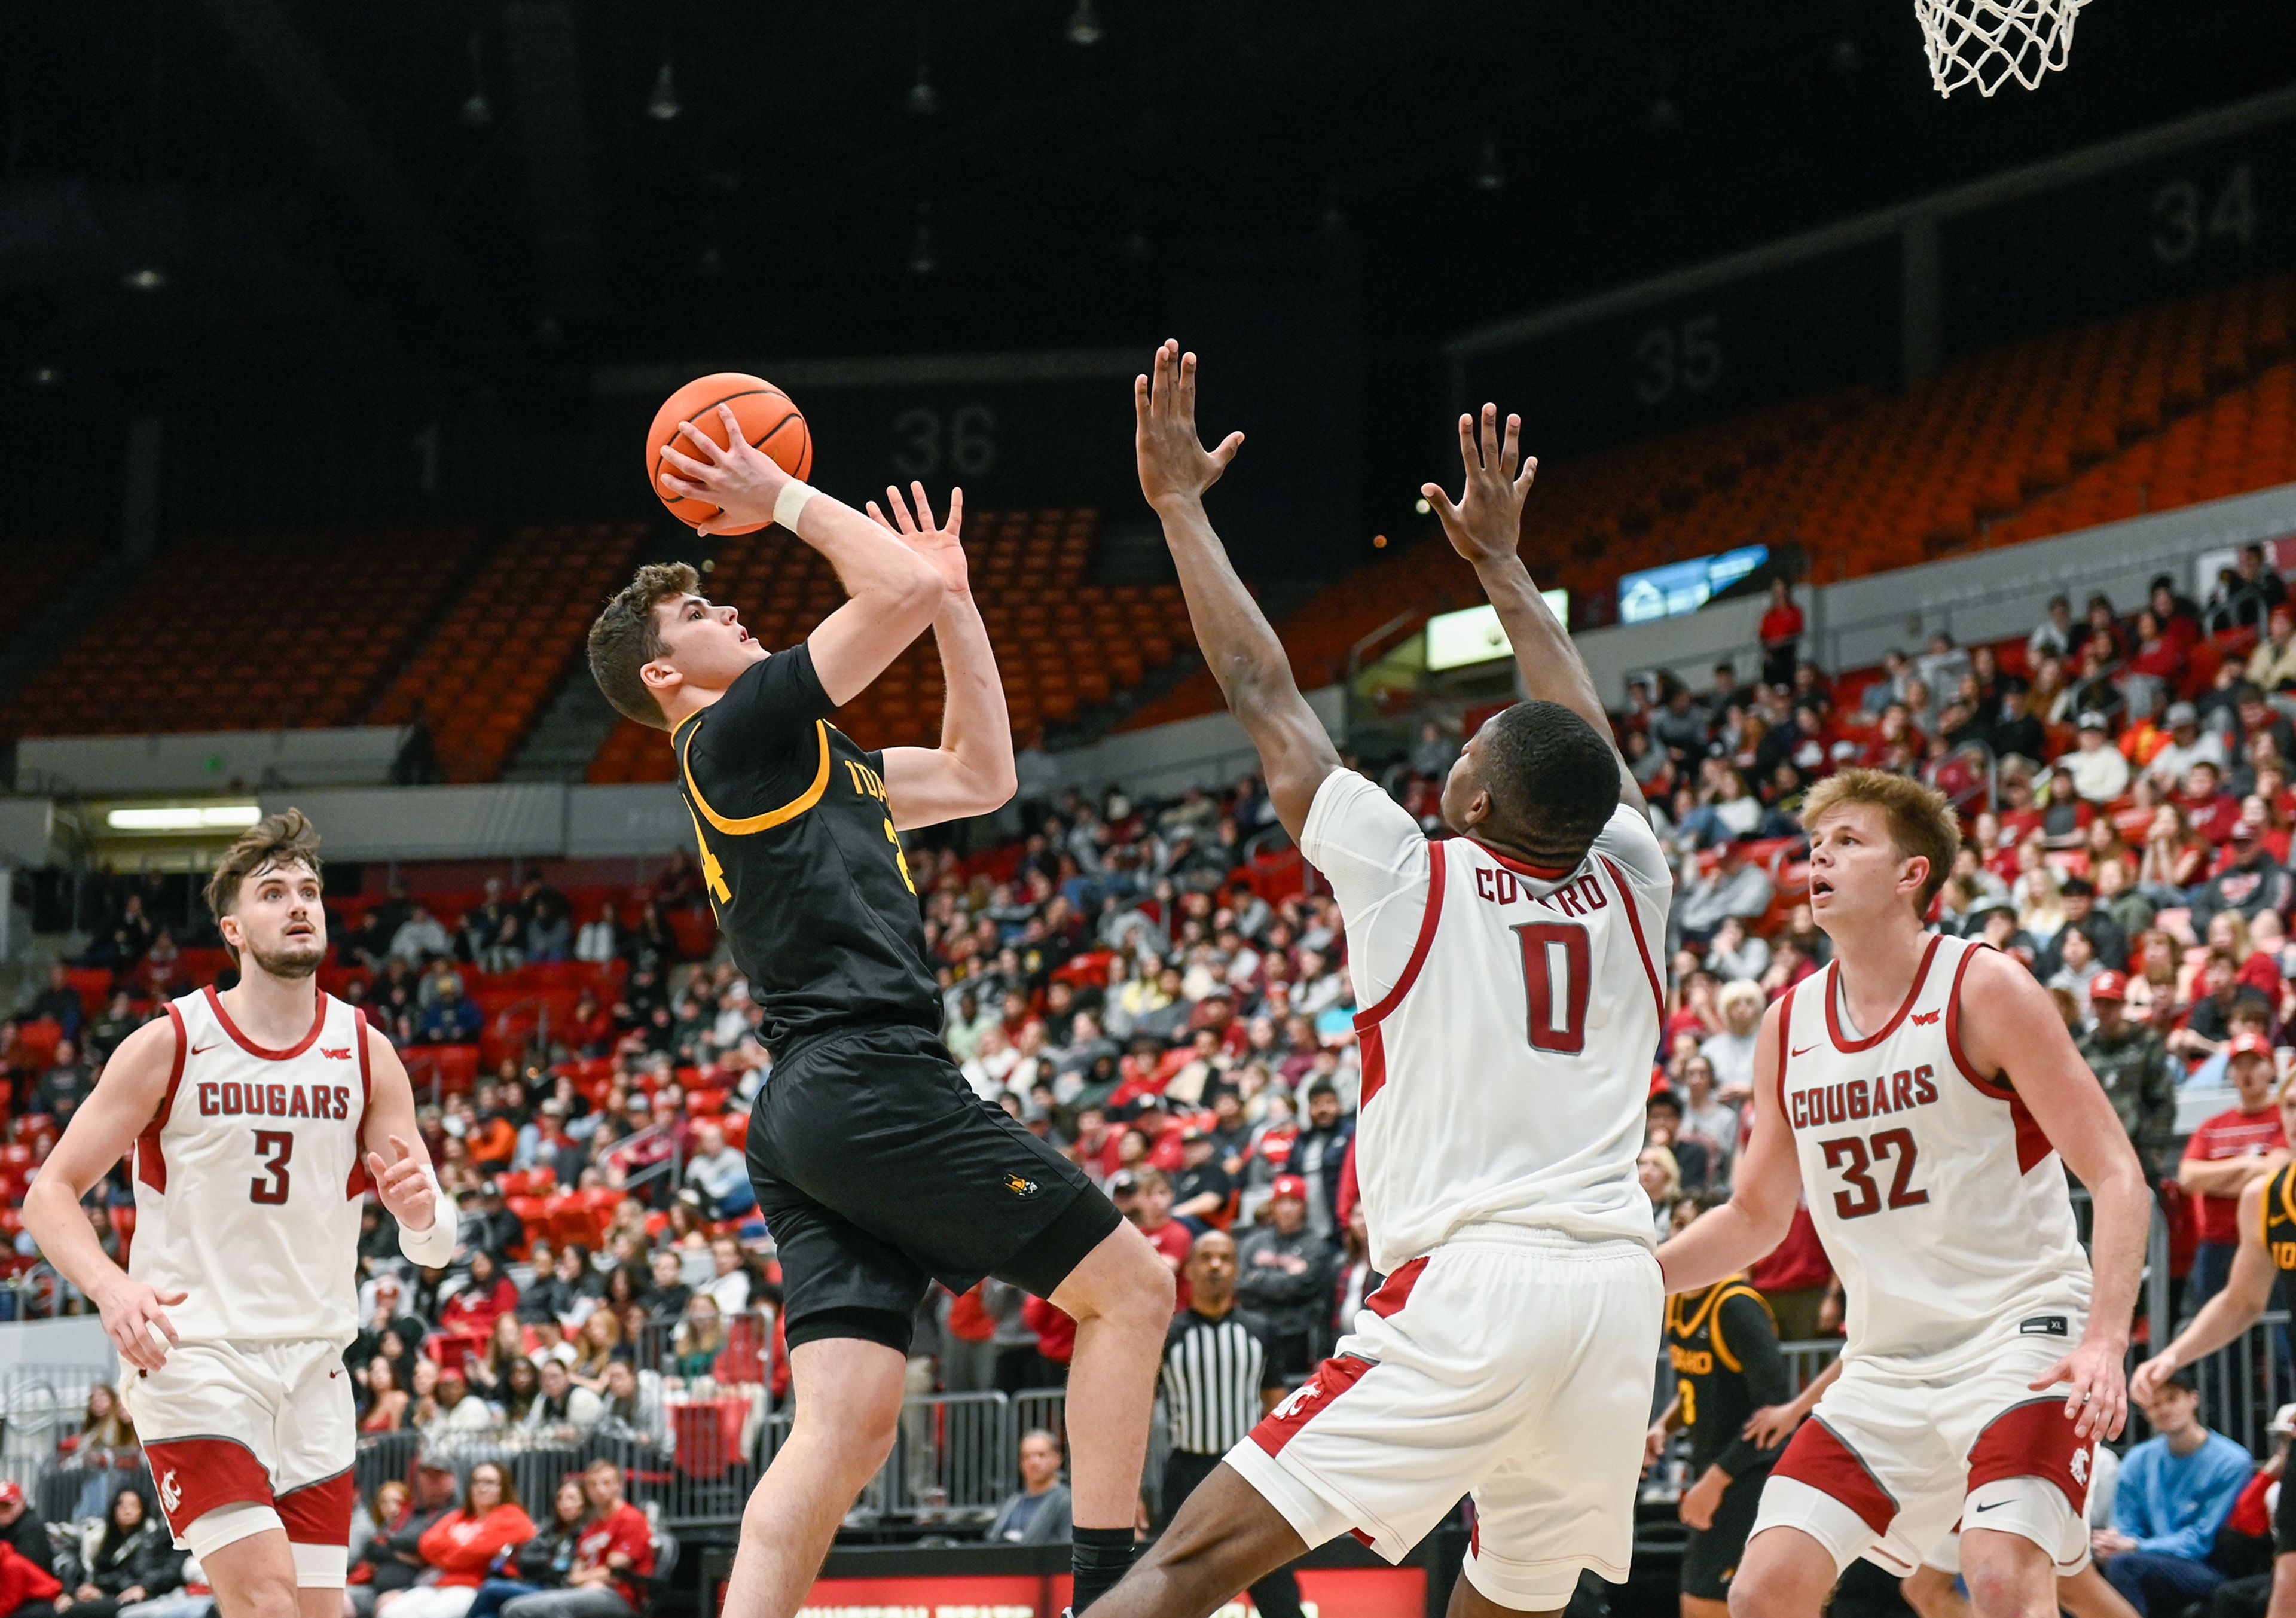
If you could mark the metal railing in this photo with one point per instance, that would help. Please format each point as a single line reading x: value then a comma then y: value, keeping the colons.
x: 41, y: 1408
x: 955, y: 1459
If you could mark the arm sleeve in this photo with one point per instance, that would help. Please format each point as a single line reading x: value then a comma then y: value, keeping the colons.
x: 1375, y: 858
x: 1745, y: 1325
x: 2218, y: 1490
x: 767, y: 708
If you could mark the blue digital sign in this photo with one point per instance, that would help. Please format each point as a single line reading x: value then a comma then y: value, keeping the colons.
x: 1684, y: 587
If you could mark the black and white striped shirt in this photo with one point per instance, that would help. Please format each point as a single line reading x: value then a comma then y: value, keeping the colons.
x: 1213, y: 1374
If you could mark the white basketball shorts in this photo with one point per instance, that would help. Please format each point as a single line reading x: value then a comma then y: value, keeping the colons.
x: 252, y: 1436
x: 1884, y: 1468
x: 1513, y: 1364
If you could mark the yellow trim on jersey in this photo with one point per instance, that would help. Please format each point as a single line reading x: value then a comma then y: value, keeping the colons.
x: 1713, y: 1296
x: 1727, y: 1290
x: 771, y: 818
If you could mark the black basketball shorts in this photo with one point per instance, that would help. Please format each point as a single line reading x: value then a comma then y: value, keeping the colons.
x: 1710, y: 1561
x: 877, y: 1172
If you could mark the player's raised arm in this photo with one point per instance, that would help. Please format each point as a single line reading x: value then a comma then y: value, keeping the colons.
x: 972, y: 771
x: 1765, y: 1188
x: 894, y: 591
x: 429, y: 1229
x: 1486, y: 527
x: 126, y: 1098
x: 2009, y: 1027
x: 1241, y: 649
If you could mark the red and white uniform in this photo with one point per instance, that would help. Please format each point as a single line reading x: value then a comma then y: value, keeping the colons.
x: 1509, y: 1019
x: 1944, y: 1211
x: 248, y: 1185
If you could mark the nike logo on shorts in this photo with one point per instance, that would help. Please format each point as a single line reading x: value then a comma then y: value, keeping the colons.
x: 1990, y: 1507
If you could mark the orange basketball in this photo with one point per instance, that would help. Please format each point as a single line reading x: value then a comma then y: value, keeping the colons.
x: 768, y: 420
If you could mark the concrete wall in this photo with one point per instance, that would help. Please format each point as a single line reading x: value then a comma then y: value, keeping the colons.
x: 209, y: 762
x: 1210, y: 751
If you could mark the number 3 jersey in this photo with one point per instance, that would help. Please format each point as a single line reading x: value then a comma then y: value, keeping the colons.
x: 249, y: 1179
x: 1939, y: 1200
x: 1509, y: 1018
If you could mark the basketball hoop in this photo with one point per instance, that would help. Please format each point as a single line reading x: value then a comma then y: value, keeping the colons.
x: 1988, y: 42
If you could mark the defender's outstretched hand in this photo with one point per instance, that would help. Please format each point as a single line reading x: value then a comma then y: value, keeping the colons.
x: 1486, y: 525
x: 938, y: 546
x: 740, y: 479
x: 1174, y: 464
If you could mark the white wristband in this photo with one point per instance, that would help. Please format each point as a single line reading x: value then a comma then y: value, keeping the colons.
x: 434, y: 1247
x: 790, y: 502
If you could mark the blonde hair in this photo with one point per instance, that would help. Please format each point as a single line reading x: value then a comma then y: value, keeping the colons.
x: 1737, y: 991
x: 1920, y: 822
x: 1666, y: 1161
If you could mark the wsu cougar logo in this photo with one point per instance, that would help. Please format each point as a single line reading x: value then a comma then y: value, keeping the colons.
x: 1922, y: 1018
x: 171, y: 1493
x: 342, y: 1053
x: 2081, y: 1466
x: 1298, y: 1400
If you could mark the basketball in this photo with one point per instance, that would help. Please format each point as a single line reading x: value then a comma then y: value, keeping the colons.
x: 769, y: 421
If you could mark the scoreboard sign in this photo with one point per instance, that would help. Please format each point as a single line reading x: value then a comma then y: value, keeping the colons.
x: 2203, y: 217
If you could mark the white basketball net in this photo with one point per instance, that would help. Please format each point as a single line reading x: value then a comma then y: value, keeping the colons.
x: 1988, y: 42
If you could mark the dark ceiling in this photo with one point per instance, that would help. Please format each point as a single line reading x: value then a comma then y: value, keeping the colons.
x: 301, y: 174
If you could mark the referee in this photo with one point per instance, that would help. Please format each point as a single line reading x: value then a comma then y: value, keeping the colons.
x: 1218, y: 1379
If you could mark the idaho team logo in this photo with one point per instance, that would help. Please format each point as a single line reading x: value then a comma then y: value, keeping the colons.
x: 171, y: 1493
x: 1021, y: 1186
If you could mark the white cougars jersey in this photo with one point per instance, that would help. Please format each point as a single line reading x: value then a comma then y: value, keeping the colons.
x: 1509, y: 1016
x: 1939, y: 1199
x: 249, y: 1177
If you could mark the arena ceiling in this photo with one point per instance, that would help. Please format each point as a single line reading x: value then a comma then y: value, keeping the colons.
x: 444, y: 189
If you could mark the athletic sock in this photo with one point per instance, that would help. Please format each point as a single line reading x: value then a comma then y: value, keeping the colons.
x: 1102, y: 1557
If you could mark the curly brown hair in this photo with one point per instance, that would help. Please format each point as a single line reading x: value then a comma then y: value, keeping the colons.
x: 624, y: 639
x: 284, y: 839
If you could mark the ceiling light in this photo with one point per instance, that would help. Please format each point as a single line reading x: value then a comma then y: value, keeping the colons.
x: 477, y: 112
x: 43, y: 377
x: 184, y: 818
x: 151, y: 278
x: 1421, y: 505
x: 923, y: 260
x: 924, y: 100
x: 1489, y: 174
x: 1084, y: 24
x: 663, y: 104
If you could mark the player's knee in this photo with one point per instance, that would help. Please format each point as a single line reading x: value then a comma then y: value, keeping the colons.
x: 269, y: 1598
x: 2003, y: 1588
x: 1761, y: 1592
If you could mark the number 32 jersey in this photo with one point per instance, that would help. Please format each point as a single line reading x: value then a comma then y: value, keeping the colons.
x: 1509, y: 1019
x: 249, y: 1179
x: 1939, y: 1199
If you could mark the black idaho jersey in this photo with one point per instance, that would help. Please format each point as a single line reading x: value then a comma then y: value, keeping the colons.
x: 1724, y: 1347
x: 800, y: 858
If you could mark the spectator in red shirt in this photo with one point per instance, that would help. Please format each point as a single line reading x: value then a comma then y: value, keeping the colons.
x: 1168, y: 1236
x: 484, y: 1299
x: 1781, y: 632
x: 613, y: 1556
x: 2211, y: 811
x: 2223, y: 1156
x: 462, y: 1545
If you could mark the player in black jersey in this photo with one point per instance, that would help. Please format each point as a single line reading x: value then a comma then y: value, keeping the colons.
x: 2267, y: 1251
x: 1723, y: 1343
x: 876, y: 1168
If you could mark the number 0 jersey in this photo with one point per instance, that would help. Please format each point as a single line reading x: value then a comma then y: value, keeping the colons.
x: 1509, y: 1017
x: 1939, y: 1199
x: 800, y: 859
x: 249, y: 1177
